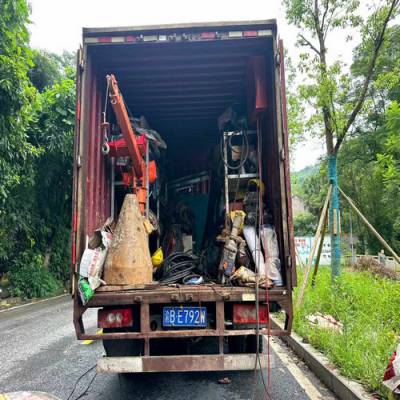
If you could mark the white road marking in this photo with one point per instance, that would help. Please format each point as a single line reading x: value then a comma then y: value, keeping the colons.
x: 309, y: 388
x: 34, y: 302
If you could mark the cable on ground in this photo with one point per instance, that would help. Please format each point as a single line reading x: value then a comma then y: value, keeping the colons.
x: 79, y: 379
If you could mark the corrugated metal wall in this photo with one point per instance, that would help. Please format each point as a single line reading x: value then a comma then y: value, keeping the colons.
x: 95, y: 166
x: 97, y: 193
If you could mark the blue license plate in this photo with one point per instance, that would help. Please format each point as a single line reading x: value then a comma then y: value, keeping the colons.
x: 185, y: 316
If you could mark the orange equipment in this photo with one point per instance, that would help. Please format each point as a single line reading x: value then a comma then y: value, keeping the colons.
x: 138, y: 164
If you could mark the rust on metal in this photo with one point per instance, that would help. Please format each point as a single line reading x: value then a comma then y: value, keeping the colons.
x: 292, y: 248
x: 202, y: 79
x: 217, y: 362
x: 165, y: 294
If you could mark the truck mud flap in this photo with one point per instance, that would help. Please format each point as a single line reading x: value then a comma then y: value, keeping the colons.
x: 228, y: 362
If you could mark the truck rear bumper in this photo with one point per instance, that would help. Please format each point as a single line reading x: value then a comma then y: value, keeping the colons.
x: 219, y: 362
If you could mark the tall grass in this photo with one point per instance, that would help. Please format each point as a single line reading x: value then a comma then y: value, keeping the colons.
x: 369, y: 308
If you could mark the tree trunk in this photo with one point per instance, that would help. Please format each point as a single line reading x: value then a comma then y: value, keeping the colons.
x: 334, y: 217
x: 47, y: 254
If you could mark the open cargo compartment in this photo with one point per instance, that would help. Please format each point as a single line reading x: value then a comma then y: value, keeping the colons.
x: 181, y: 78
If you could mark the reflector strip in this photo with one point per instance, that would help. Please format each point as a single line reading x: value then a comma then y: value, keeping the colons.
x: 208, y: 35
x: 235, y: 34
x: 105, y: 39
x: 150, y: 38
x: 266, y: 32
x: 90, y: 40
x: 117, y: 39
x: 165, y: 38
x: 250, y: 33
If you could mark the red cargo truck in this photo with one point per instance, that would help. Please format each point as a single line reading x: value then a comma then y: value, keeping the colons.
x: 181, y: 78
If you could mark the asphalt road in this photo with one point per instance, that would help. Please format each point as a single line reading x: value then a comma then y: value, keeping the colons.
x: 38, y: 351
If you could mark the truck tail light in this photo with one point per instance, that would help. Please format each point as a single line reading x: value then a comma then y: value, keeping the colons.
x: 246, y: 314
x: 114, y: 318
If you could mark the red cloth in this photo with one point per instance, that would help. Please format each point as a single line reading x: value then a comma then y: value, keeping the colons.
x: 391, y: 379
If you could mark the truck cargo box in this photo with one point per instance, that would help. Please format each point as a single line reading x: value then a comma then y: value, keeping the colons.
x: 181, y: 78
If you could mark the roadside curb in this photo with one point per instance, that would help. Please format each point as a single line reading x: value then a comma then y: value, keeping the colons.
x: 35, y: 302
x: 344, y: 388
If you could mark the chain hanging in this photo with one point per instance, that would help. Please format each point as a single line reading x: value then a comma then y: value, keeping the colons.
x: 105, y: 148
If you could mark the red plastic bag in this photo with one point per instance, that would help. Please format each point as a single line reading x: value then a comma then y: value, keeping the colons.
x: 391, y: 379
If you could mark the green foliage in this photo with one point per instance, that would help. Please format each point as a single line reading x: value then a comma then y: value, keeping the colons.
x: 30, y: 279
x: 305, y: 224
x: 337, y: 13
x: 37, y: 96
x: 334, y: 98
x: 295, y: 107
x: 369, y: 162
x: 368, y: 307
x: 16, y: 95
x: 49, y: 69
x: 45, y: 70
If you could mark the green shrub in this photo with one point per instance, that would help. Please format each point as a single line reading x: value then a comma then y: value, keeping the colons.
x: 369, y: 308
x: 60, y: 259
x: 30, y: 279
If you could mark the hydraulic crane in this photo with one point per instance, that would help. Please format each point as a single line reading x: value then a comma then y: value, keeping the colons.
x: 139, y: 170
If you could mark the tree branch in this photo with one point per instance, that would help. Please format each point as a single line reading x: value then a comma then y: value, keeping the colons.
x: 324, y: 15
x: 329, y: 21
x: 308, y: 43
x: 361, y: 99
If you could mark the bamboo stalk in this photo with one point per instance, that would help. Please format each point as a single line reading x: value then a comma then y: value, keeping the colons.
x: 371, y: 228
x: 321, y: 245
x: 314, y: 246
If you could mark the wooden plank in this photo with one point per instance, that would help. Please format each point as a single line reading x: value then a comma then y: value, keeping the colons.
x: 313, y: 248
x: 370, y: 227
x: 321, y: 245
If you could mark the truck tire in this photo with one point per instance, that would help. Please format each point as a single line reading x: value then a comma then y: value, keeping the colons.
x: 124, y: 347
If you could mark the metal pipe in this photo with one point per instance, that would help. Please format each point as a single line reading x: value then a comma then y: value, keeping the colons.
x: 112, y: 205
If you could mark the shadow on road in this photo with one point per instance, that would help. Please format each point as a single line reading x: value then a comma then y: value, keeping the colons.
x: 191, y: 385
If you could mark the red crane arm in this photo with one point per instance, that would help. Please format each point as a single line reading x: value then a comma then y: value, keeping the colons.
x: 125, y: 125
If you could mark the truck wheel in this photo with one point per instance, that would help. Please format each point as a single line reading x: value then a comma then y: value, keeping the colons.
x: 124, y: 347
x: 252, y: 344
